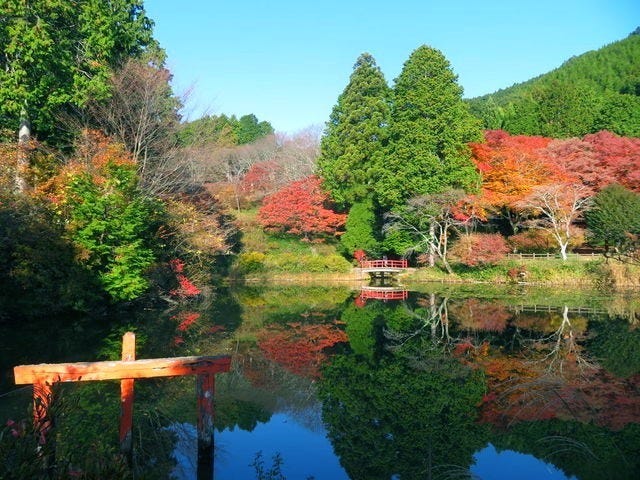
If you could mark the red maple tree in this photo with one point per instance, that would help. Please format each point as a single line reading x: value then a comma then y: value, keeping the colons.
x: 301, y: 208
x: 261, y: 179
x: 480, y: 249
x: 599, y: 159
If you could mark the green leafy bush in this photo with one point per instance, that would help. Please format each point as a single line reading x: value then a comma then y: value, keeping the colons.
x: 111, y: 223
x: 296, y: 263
x: 250, y: 262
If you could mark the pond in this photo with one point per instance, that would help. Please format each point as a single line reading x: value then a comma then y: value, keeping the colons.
x: 434, y: 381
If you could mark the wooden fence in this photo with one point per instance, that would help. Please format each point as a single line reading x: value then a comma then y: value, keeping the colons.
x: 545, y: 256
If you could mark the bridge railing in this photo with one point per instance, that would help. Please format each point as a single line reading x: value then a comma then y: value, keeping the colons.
x: 384, y: 264
x: 384, y: 294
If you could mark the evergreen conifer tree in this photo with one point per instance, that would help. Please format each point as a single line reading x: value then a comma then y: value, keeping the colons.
x: 355, y: 134
x: 429, y: 129
x: 361, y: 229
x: 614, y: 220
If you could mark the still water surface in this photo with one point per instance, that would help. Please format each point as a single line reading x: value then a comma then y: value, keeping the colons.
x: 331, y: 383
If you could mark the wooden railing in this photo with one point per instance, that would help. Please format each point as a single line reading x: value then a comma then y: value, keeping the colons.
x: 384, y: 293
x: 544, y: 256
x: 384, y: 264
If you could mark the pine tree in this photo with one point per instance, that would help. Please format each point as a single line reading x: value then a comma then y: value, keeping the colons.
x: 429, y: 130
x: 355, y: 134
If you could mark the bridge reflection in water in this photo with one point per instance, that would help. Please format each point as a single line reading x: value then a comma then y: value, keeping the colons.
x: 381, y: 293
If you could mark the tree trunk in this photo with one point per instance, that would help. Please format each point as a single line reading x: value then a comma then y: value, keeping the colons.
x: 432, y: 247
x: 446, y: 265
x: 22, y: 162
x: 563, y: 250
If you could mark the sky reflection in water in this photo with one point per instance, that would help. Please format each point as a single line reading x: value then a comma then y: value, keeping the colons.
x: 309, y: 453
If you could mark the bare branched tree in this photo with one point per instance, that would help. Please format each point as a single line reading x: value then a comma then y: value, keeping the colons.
x: 277, y: 160
x: 142, y: 114
x: 429, y: 220
x: 297, y: 154
x: 556, y: 208
x: 563, y: 348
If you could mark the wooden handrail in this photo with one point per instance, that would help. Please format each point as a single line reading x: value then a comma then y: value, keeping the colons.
x: 384, y: 264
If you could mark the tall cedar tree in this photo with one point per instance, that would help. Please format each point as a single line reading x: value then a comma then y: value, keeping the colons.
x: 355, y: 134
x: 58, y: 54
x: 429, y: 130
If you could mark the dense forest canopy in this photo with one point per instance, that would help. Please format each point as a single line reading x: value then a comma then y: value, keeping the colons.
x: 224, y: 131
x: 598, y: 90
x: 57, y: 55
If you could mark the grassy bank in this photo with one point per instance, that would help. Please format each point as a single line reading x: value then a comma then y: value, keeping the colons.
x: 285, y: 258
x: 266, y: 256
x: 573, y: 272
x: 318, y: 268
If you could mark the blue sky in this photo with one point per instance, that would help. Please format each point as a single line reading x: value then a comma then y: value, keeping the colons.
x: 287, y: 61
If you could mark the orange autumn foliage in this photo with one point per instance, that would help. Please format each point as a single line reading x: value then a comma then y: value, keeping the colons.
x: 95, y: 154
x: 521, y: 389
x: 475, y: 315
x: 511, y: 166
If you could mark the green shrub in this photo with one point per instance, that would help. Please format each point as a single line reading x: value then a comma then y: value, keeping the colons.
x: 251, y: 262
x: 297, y: 263
x: 483, y: 273
x: 360, y: 230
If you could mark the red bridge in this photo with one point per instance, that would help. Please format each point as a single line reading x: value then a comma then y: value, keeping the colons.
x: 384, y: 293
x: 383, y: 266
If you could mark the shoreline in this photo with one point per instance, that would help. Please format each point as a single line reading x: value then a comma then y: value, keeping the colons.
x: 614, y: 277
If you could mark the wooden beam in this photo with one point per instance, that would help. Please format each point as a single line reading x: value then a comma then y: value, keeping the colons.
x: 117, y: 370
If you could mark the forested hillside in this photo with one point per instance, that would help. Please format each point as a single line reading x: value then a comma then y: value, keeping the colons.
x: 599, y: 90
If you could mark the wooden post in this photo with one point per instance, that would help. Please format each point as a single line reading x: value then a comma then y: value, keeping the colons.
x: 43, y: 423
x: 42, y: 396
x: 205, y: 389
x: 43, y: 376
x: 126, y: 397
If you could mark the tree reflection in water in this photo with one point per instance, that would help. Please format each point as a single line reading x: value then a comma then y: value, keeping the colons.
x: 444, y: 377
x: 411, y: 389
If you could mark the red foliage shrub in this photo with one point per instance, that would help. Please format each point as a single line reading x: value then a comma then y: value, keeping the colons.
x: 185, y: 320
x: 532, y: 241
x: 360, y: 255
x: 517, y: 273
x: 480, y: 249
x: 186, y: 288
x: 301, y: 209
